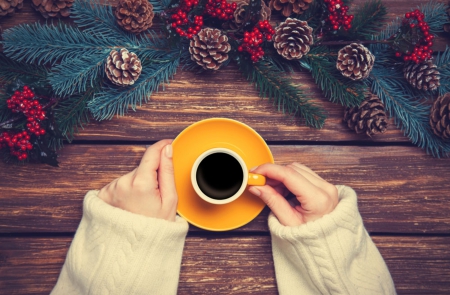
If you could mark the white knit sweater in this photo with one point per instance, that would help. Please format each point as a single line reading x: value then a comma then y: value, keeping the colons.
x: 118, y: 252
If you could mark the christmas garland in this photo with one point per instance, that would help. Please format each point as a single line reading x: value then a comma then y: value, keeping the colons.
x: 55, y: 76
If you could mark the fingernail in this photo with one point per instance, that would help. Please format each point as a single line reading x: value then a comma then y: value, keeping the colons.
x: 254, y: 168
x: 254, y: 191
x: 169, y: 151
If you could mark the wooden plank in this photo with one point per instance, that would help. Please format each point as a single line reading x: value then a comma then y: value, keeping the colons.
x: 190, y: 98
x: 226, y: 264
x: 400, y: 188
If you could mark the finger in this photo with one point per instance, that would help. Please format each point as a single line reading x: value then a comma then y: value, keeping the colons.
x: 167, y: 181
x: 278, y: 204
x: 311, y: 176
x: 294, y: 181
x: 150, y: 163
x: 313, y: 179
x: 306, y: 168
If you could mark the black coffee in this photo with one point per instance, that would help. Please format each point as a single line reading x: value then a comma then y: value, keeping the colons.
x: 219, y: 176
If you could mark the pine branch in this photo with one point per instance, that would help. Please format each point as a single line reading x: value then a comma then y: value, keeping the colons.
x: 287, y: 97
x: 334, y: 86
x: 443, y: 65
x: 43, y: 44
x: 11, y: 70
x: 113, y: 100
x: 435, y: 15
x: 72, y: 113
x: 98, y: 19
x: 368, y: 19
x: 404, y: 105
x: 75, y: 76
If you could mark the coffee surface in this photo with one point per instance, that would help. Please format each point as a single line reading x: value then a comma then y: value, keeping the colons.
x: 219, y: 176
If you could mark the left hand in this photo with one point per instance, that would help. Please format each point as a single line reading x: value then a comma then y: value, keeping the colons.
x: 149, y: 189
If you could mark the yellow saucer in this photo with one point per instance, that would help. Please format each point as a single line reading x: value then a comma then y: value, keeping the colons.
x: 205, y: 135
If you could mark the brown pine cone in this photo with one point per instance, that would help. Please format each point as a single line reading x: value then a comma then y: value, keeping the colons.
x: 423, y: 75
x: 134, y: 16
x: 8, y: 7
x: 289, y: 7
x: 123, y: 68
x: 355, y: 61
x: 53, y: 8
x: 209, y: 48
x: 292, y: 38
x: 440, y: 116
x: 240, y: 12
x: 369, y: 117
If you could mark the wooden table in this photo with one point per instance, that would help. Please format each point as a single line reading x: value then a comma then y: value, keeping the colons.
x: 403, y: 193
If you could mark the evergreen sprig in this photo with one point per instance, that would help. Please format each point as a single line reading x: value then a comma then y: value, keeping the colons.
x: 287, y: 97
x: 406, y: 106
x: 435, y: 15
x: 11, y: 70
x: 443, y: 64
x: 367, y: 20
x: 72, y: 113
x: 112, y: 100
x: 321, y: 62
x: 77, y: 75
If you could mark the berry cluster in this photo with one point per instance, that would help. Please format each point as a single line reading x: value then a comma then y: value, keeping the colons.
x: 337, y: 15
x: 220, y: 9
x: 180, y: 19
x: 422, y: 48
x: 18, y: 143
x: 26, y: 103
x: 252, y: 40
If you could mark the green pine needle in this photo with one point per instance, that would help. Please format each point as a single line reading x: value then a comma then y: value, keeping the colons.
x: 405, y: 105
x: 286, y: 96
x: 115, y: 100
x: 368, y: 19
x: 11, y: 70
x: 322, y: 65
x: 435, y: 15
x: 443, y: 64
x: 77, y: 75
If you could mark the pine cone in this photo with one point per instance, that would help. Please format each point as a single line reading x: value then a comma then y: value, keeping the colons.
x: 134, y: 16
x: 123, y: 68
x: 8, y: 7
x: 355, y: 61
x: 240, y: 12
x: 292, y: 38
x: 53, y: 8
x: 369, y: 117
x: 209, y: 48
x: 440, y: 116
x: 290, y: 6
x: 423, y: 75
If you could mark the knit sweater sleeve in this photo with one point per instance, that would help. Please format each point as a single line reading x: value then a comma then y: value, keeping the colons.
x: 118, y: 252
x: 332, y: 255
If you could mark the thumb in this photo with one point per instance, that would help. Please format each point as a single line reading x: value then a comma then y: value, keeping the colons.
x: 166, y: 180
x: 287, y: 215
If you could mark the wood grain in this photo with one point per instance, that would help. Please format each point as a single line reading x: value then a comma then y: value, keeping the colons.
x: 226, y: 264
x: 401, y: 190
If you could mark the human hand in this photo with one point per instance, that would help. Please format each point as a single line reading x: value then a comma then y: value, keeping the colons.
x: 150, y: 188
x: 314, y: 196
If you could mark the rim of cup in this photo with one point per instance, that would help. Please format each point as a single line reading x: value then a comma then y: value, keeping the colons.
x: 194, y: 176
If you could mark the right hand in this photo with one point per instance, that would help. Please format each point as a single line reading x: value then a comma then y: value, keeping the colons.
x: 314, y: 196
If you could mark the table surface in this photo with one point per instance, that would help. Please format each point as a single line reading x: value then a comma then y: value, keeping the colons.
x: 403, y: 193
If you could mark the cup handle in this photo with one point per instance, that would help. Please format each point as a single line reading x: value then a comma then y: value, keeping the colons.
x: 256, y: 179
